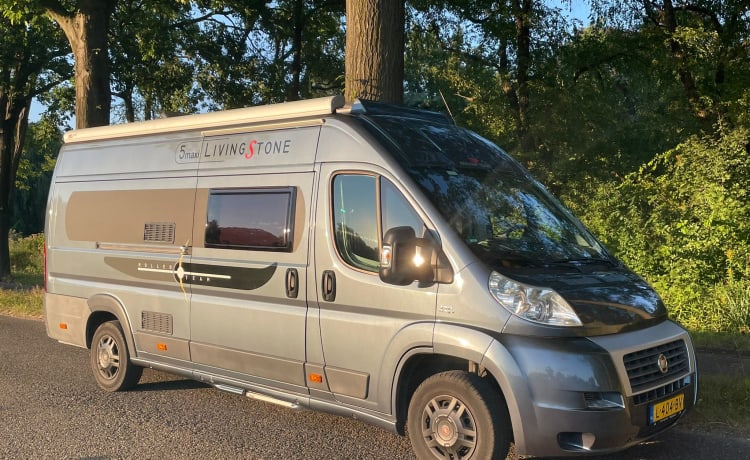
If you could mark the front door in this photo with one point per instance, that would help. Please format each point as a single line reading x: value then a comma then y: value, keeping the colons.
x: 365, y: 324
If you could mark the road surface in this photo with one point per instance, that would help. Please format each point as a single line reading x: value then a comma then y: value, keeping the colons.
x: 50, y: 408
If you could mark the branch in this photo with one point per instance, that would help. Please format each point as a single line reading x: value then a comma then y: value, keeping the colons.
x: 55, y: 9
x: 705, y: 12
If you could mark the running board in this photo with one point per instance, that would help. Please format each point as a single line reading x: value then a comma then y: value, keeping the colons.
x: 269, y: 399
x: 256, y: 396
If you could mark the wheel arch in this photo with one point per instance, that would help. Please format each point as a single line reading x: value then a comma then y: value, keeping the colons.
x: 106, y: 307
x: 458, y: 348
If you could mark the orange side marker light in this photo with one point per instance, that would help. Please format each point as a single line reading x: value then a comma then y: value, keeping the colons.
x: 161, y: 346
x: 63, y: 326
x: 315, y: 378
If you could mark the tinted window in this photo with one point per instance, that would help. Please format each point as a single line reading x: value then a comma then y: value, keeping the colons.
x: 355, y: 217
x: 251, y: 219
x: 397, y: 212
x: 355, y: 220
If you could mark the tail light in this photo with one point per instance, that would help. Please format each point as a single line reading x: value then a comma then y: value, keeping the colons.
x: 44, y: 255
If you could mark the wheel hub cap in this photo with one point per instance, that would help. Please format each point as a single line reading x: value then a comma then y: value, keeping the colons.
x: 105, y: 358
x: 449, y: 428
x: 446, y: 431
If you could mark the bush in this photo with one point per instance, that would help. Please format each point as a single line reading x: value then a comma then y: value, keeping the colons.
x: 683, y: 222
x: 27, y: 259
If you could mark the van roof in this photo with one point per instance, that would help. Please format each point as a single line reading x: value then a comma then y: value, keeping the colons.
x: 226, y: 118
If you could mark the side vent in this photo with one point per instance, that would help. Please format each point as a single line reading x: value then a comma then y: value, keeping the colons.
x: 159, y: 232
x: 156, y: 322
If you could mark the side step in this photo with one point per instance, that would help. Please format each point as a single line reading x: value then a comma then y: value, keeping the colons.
x: 256, y: 396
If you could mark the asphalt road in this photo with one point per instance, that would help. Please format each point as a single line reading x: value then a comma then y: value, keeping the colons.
x: 50, y: 408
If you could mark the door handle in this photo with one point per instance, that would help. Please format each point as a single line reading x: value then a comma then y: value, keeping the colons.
x: 328, y: 286
x: 292, y: 283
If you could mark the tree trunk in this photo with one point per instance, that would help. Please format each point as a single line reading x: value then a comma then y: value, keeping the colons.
x: 298, y: 13
x: 375, y: 50
x: 86, y: 30
x: 13, y: 124
x: 522, y: 13
x: 678, y: 52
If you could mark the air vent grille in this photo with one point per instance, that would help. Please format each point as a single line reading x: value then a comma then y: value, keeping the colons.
x: 156, y: 322
x: 159, y: 232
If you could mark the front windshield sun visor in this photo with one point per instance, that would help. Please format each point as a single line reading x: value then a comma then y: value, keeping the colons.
x: 536, y: 304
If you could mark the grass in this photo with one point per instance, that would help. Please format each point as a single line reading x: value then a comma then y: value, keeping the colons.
x: 22, y: 302
x: 23, y: 296
x: 723, y: 400
x: 723, y: 404
x: 721, y: 341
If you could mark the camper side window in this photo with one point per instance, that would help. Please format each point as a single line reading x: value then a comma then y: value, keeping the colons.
x: 356, y: 198
x: 355, y: 220
x: 251, y: 219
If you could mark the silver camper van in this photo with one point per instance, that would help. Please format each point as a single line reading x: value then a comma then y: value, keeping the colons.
x: 366, y: 260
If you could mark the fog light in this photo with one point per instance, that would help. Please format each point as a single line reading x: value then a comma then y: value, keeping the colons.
x: 576, y: 441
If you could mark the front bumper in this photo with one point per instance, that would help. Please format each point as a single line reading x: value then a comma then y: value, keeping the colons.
x: 595, y: 395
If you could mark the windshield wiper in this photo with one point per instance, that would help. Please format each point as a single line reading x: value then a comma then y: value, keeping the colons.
x: 584, y: 261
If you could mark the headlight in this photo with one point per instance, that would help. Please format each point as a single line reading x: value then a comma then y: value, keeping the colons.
x: 541, y: 305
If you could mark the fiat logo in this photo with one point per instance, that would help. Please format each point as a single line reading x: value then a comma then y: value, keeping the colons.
x: 663, y: 364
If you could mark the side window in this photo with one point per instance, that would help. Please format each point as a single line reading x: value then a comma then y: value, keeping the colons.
x: 355, y: 217
x: 251, y: 219
x: 397, y: 212
x: 355, y: 220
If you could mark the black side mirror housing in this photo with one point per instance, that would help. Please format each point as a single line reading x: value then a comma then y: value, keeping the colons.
x: 405, y: 258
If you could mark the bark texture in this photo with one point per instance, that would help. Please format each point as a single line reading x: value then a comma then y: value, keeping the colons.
x: 86, y: 30
x: 375, y: 50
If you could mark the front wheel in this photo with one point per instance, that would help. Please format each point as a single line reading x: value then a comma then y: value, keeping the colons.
x: 457, y: 415
x: 110, y: 360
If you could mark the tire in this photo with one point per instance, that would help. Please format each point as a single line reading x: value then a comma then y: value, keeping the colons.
x: 456, y: 415
x: 110, y: 359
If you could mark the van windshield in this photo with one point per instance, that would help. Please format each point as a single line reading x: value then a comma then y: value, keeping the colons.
x: 505, y: 215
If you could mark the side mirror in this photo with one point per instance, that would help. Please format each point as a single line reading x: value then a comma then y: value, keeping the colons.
x: 406, y: 258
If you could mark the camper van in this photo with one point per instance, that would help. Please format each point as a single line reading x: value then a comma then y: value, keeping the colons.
x: 364, y: 259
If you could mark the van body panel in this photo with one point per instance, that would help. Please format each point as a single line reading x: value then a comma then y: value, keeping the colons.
x: 337, y: 258
x: 236, y: 323
x: 161, y: 346
x: 287, y: 149
x: 149, y: 157
x: 359, y: 324
x: 65, y: 318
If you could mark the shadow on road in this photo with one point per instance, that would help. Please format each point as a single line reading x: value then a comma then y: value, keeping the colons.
x: 161, y: 381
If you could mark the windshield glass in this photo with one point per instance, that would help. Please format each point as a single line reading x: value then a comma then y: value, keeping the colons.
x: 491, y: 201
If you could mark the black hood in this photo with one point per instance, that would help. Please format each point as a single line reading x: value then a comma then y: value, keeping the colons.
x: 606, y: 301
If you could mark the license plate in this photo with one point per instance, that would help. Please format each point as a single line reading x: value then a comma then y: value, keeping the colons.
x: 666, y: 409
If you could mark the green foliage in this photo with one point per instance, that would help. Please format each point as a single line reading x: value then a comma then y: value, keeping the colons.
x: 683, y: 221
x: 27, y: 259
x: 639, y: 121
x: 25, y: 296
x: 33, y: 177
x: 22, y: 302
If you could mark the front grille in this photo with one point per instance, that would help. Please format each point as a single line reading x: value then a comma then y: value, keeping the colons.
x: 661, y: 392
x: 643, y: 366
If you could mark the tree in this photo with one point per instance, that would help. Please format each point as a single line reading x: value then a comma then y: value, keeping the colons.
x: 374, y: 50
x: 42, y: 144
x: 151, y: 71
x: 85, y: 24
x: 32, y: 61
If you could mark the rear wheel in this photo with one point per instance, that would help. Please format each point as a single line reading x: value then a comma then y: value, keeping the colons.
x: 110, y: 359
x: 457, y: 415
